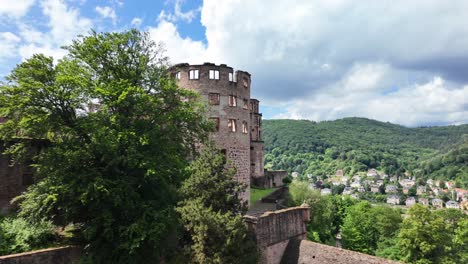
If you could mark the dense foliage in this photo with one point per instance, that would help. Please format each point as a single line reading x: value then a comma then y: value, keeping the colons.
x: 424, y: 236
x: 114, y: 170
x: 211, y: 212
x: 327, y: 212
x: 358, y: 144
x: 18, y: 235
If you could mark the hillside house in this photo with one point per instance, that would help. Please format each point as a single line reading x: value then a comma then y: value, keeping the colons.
x: 462, y: 195
x: 356, y: 185
x: 339, y: 173
x: 410, y: 201
x: 356, y: 178
x: 424, y: 201
x: 450, y: 184
x: 393, y: 199
x: 325, y: 191
x: 379, y: 182
x: 430, y: 182
x: 361, y: 189
x: 391, y: 189
x: 394, y: 179
x: 312, y: 186
x: 374, y: 188
x: 452, y: 204
x: 348, y: 190
x: 372, y: 173
x: 421, y: 190
x: 335, y: 181
x: 295, y: 174
x: 437, y: 203
x: 344, y: 180
x: 406, y: 189
x: 407, y: 183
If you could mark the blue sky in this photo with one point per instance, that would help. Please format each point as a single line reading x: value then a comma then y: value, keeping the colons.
x: 400, y: 61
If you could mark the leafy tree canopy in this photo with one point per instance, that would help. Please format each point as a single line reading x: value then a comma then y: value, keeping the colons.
x: 117, y: 135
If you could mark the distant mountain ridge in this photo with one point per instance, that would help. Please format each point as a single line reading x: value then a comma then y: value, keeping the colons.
x: 357, y: 144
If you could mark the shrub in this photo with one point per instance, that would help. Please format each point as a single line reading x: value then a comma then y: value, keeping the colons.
x: 18, y: 235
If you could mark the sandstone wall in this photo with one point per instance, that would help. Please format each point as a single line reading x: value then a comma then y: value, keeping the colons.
x: 236, y: 144
x: 274, y: 230
x: 307, y: 252
x: 13, y: 180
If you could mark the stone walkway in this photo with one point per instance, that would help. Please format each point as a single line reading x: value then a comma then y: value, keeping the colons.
x: 260, y: 207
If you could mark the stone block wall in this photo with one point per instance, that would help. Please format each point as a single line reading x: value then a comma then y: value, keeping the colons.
x: 13, y: 180
x: 274, y: 230
x: 219, y: 91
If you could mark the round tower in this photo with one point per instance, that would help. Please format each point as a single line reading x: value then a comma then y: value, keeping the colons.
x: 227, y: 93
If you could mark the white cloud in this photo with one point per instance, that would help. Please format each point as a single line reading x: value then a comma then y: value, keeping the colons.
x: 107, y: 12
x: 64, y: 24
x: 136, y: 21
x: 434, y: 102
x: 178, y: 14
x: 8, y: 45
x: 178, y: 49
x: 15, y: 8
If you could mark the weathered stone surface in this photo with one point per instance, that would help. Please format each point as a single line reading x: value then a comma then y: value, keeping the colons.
x: 271, y: 179
x: 307, y: 252
x: 11, y: 180
x: 236, y: 144
x: 62, y: 255
x: 273, y: 230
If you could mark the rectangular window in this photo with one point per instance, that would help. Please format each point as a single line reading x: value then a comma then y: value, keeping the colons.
x: 232, y: 101
x: 245, y: 129
x: 246, y: 82
x: 231, y: 77
x: 232, y: 125
x: 246, y: 104
x: 215, y: 120
x: 213, y: 98
x: 177, y: 75
x: 214, y: 74
x: 193, y: 75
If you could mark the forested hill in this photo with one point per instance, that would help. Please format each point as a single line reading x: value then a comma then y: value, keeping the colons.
x: 357, y: 144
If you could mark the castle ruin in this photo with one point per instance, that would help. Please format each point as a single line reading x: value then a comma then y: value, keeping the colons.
x: 238, y: 122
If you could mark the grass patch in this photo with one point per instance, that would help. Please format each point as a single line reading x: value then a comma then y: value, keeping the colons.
x: 257, y: 194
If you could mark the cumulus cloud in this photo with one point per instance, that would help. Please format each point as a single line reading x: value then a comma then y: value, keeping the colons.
x: 64, y: 24
x: 8, y: 43
x: 136, y: 21
x: 178, y: 49
x: 15, y: 8
x: 178, y: 14
x: 435, y: 102
x: 331, y: 59
x: 107, y: 12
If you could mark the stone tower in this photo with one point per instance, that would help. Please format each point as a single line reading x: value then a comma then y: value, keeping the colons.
x: 236, y: 115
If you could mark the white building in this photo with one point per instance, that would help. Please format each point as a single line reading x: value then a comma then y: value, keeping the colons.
x: 393, y: 199
x: 410, y: 201
x: 325, y: 191
x: 452, y: 204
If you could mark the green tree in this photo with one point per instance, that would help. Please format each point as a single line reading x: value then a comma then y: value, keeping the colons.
x: 423, y: 236
x: 460, y: 241
x: 114, y: 171
x: 211, y: 212
x: 359, y: 231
